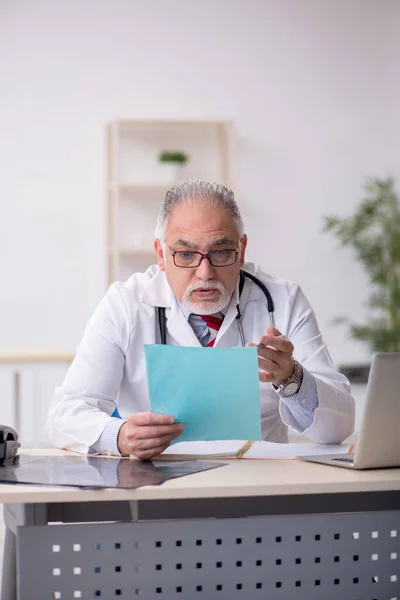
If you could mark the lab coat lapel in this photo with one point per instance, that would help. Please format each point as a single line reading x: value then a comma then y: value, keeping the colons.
x: 159, y: 293
x: 230, y: 316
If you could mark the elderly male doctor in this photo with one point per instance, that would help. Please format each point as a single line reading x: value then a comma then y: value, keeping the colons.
x: 200, y: 245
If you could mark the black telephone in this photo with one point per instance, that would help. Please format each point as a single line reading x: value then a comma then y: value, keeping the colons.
x: 8, y: 443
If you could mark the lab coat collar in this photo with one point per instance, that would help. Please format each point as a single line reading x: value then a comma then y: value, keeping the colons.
x: 158, y: 292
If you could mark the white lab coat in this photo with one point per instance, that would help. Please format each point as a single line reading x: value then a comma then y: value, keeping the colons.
x: 109, y: 368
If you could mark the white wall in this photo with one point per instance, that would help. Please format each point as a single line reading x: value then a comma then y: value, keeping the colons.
x: 310, y: 83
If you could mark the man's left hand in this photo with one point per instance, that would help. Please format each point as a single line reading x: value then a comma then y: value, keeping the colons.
x: 275, y: 357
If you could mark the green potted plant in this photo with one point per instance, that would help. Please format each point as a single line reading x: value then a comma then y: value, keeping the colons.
x: 373, y: 232
x: 171, y: 162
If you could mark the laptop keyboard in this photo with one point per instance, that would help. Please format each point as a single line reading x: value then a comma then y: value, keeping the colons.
x: 349, y: 458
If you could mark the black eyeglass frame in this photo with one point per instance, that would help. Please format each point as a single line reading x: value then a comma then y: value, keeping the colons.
x: 203, y: 256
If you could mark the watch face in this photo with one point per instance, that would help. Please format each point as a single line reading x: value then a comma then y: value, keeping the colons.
x: 290, y: 389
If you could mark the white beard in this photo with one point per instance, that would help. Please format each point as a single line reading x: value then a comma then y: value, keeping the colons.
x: 205, y: 307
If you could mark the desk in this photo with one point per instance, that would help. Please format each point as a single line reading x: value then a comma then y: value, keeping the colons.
x: 274, y: 529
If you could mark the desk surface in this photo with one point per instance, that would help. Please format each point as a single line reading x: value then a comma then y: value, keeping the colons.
x: 239, y: 478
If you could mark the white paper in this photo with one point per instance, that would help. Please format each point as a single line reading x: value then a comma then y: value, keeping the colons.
x: 229, y: 448
x: 274, y: 450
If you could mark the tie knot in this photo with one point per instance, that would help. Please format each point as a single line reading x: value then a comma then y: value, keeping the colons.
x: 212, y: 321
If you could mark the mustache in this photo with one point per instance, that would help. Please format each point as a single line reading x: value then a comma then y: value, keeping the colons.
x: 205, y: 285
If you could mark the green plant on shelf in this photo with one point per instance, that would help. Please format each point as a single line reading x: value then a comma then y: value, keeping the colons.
x: 373, y: 232
x: 168, y: 156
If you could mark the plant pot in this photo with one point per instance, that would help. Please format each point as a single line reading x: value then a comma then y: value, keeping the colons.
x: 168, y: 172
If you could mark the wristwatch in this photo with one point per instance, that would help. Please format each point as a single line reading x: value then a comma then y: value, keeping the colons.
x: 292, y: 384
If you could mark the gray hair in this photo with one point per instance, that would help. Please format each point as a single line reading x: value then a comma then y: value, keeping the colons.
x: 196, y: 192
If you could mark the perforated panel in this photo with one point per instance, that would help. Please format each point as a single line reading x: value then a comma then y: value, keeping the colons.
x: 350, y: 556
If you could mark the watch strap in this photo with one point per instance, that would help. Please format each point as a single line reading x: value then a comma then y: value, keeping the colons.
x: 296, y: 377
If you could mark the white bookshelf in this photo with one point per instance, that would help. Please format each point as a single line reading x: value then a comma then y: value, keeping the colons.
x: 135, y: 184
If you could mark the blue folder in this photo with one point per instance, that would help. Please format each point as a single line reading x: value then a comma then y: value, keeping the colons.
x: 214, y: 392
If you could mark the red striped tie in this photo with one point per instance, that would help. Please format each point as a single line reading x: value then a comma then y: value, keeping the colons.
x: 213, y: 323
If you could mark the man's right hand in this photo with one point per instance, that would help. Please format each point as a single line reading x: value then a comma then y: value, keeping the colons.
x: 147, y: 434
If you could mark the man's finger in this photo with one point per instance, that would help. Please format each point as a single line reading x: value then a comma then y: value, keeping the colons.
x: 269, y: 353
x: 147, y: 444
x: 262, y: 347
x: 156, y: 431
x: 265, y: 376
x: 149, y: 418
x: 268, y: 365
x: 271, y: 330
x: 146, y: 454
x: 278, y: 343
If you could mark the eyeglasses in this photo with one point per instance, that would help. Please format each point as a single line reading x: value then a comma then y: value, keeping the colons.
x: 188, y: 259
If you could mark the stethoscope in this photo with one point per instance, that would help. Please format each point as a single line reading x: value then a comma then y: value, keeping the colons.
x: 162, y: 320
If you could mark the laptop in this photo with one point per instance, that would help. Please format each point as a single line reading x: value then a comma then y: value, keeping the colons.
x: 378, y: 443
